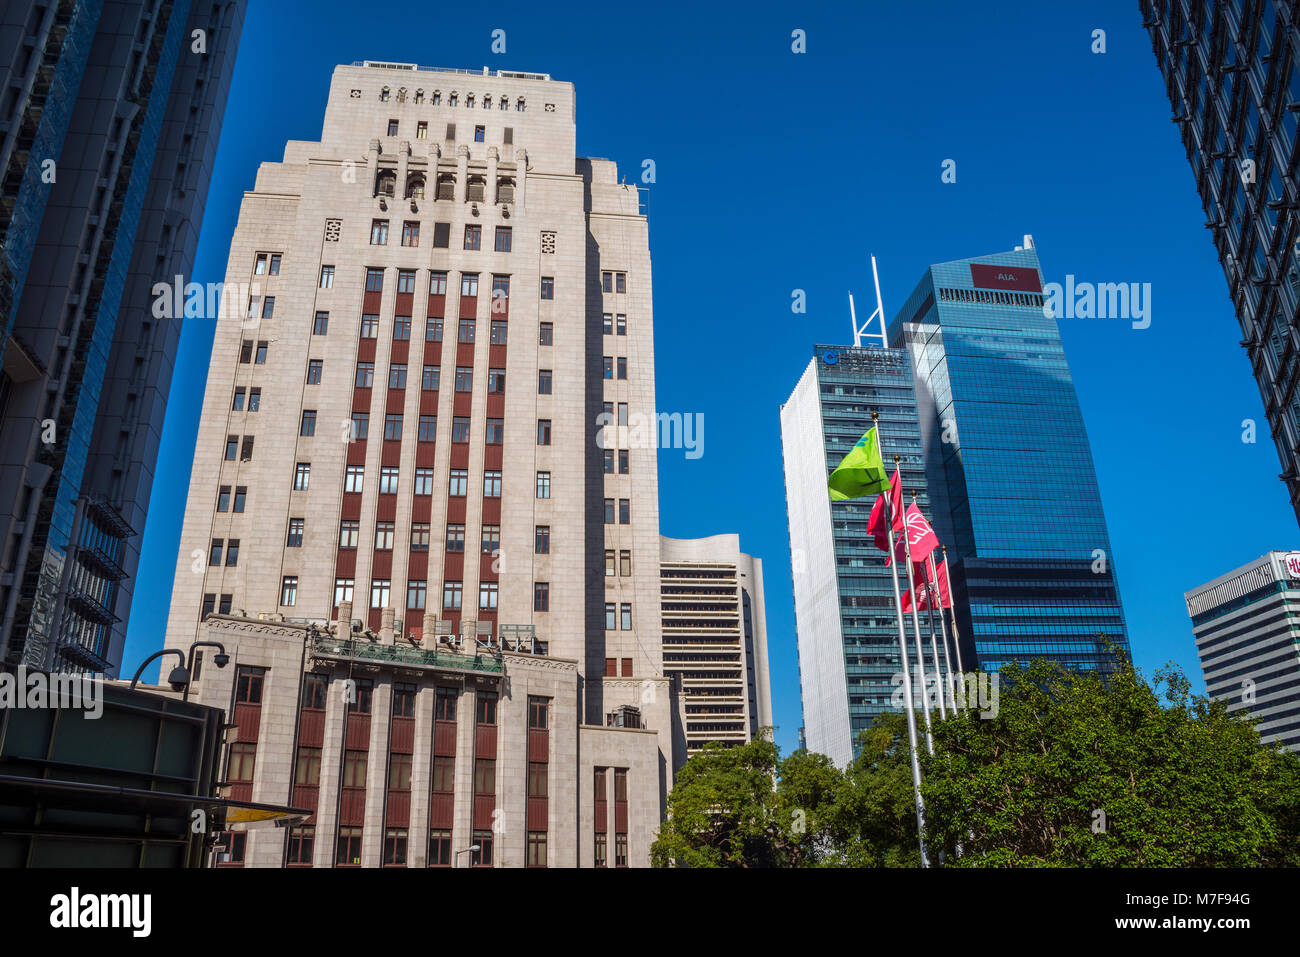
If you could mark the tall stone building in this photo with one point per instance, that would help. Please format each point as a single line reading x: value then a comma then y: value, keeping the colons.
x: 715, y: 638
x: 110, y: 111
x: 417, y: 433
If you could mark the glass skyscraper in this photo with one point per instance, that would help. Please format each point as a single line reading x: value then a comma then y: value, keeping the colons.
x: 1232, y: 73
x: 844, y: 599
x: 1009, y: 466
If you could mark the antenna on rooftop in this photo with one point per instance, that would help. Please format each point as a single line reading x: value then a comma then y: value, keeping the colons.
x: 863, y: 331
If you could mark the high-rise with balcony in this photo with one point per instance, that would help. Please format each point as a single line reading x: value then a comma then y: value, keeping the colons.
x: 715, y: 638
x: 1232, y: 73
x: 109, y: 119
x: 414, y: 430
x: 845, y: 615
x: 1247, y: 628
x: 1009, y: 466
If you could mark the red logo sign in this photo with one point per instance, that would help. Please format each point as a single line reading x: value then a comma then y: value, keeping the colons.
x: 1292, y: 561
x: 1020, y: 278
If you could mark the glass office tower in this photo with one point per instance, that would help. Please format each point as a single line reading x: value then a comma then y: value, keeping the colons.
x: 845, y: 619
x: 1232, y: 73
x: 1009, y: 466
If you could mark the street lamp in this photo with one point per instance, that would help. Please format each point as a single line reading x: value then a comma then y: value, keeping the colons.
x: 467, y: 850
x: 179, y: 678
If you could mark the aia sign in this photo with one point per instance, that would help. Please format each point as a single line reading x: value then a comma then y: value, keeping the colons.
x: 1019, y: 278
x: 1292, y: 562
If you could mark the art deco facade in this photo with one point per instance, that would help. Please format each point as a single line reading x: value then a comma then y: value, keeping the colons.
x: 1247, y: 628
x: 1232, y: 74
x: 109, y: 117
x: 406, y: 434
x: 1009, y: 466
x: 715, y: 638
x: 843, y: 592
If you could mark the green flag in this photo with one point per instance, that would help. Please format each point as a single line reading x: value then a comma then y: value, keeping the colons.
x: 861, y: 472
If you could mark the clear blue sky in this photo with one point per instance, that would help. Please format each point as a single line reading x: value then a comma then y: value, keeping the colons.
x: 778, y: 171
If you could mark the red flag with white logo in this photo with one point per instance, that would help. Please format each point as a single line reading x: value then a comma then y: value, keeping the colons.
x: 876, y: 524
x: 920, y: 537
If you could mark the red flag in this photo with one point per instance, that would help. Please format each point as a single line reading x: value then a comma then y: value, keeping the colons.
x: 920, y: 536
x: 927, y: 590
x: 941, y: 573
x: 876, y: 524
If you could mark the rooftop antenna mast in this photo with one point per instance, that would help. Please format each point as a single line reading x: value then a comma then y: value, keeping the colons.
x: 863, y: 331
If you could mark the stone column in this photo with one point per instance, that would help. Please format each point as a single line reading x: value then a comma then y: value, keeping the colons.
x: 372, y: 165
x: 490, y: 194
x: 462, y: 173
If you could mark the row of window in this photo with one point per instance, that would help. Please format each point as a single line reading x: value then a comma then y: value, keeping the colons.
x: 473, y: 239
x: 354, y: 481
x: 453, y: 99
x: 417, y: 595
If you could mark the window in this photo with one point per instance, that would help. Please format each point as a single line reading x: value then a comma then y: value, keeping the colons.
x: 354, y: 479
x: 433, y: 330
x: 428, y: 428
x: 246, y: 449
x: 543, y: 431
x: 620, y: 847
x: 469, y: 285
x: 545, y: 334
x: 260, y: 357
x: 464, y: 379
x: 537, y: 779
x: 395, y: 845
x: 429, y: 379
x: 548, y: 287
x: 374, y: 279
x: 609, y: 563
x: 308, y: 422
x: 625, y: 617
x: 487, y: 596
x: 459, y: 482
x: 248, y: 685
x: 315, y: 368
x: 460, y: 428
x: 611, y: 623
x: 608, y: 367
x: 442, y: 239
x: 327, y: 277
x: 543, y: 484
x: 232, y: 447
x: 349, y: 534
x: 397, y: 375
x: 237, y: 403
x: 296, y: 528
x: 601, y: 850
x: 502, y: 239
x: 420, y: 537
x: 223, y: 498
x: 241, y: 496
x: 246, y: 351
x: 537, y: 846
x: 380, y: 590
x: 498, y: 335
x: 625, y: 563
x: 624, y: 511
x: 243, y: 757
x: 369, y: 326
x: 495, y: 431
x: 543, y: 381
x: 365, y: 377
x: 301, y: 476
x: 437, y: 278
x: 492, y: 484
x: 496, y: 381
x: 302, y: 843
x: 349, y: 847
x: 410, y: 237
x: 422, y: 127
x: 609, y: 511
x: 623, y: 461
x: 399, y: 765
x: 388, y: 480
x: 620, y: 325
x: 392, y: 127
x: 383, y: 536
x: 360, y: 703
x: 483, y: 856
x: 343, y: 590
x: 607, y: 323
x: 541, y: 596
x: 424, y: 481
x: 444, y: 709
x: 360, y: 426
x: 607, y: 282
x: 542, y: 539
x: 455, y: 538
x: 473, y: 237
x: 486, y: 707
x: 607, y: 461
x: 485, y: 776
x: 260, y: 268
x: 401, y: 327
x: 379, y: 232
x: 440, y: 848
x: 538, y: 709
x: 465, y: 331
x: 490, y: 539
x: 215, y: 550
x: 354, y: 768
x: 451, y: 595
x: 620, y: 282
x: 289, y: 590
x: 254, y: 399
x: 479, y: 132
x: 622, y: 367
x: 416, y: 595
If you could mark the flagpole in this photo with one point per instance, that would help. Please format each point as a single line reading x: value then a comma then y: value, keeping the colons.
x: 934, y: 641
x: 908, y: 704
x: 916, y: 618
x: 947, y: 662
x: 952, y: 608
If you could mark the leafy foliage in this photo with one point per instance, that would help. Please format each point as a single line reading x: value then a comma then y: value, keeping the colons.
x: 1072, y: 771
